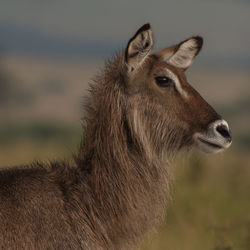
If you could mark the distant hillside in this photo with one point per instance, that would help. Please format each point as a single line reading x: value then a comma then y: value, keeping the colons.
x: 24, y: 41
x: 30, y: 42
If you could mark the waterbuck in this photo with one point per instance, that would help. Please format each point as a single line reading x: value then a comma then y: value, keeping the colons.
x: 140, y: 111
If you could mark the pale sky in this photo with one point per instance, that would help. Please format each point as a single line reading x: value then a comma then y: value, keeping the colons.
x: 224, y: 24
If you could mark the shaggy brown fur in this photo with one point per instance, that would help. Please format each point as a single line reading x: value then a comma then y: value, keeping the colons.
x: 118, y: 188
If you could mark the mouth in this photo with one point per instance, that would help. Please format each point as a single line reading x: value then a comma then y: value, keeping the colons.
x: 210, y: 144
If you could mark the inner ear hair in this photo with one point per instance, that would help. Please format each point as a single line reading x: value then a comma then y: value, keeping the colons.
x: 185, y: 52
x: 139, y: 46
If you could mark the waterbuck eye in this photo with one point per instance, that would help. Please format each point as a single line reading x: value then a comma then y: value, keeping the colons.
x: 164, y: 81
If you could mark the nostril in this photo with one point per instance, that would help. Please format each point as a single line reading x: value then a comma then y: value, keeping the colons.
x: 224, y: 131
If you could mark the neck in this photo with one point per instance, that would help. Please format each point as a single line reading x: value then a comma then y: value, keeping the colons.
x: 129, y: 189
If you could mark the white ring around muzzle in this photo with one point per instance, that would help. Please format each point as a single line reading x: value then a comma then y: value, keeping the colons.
x: 216, y: 139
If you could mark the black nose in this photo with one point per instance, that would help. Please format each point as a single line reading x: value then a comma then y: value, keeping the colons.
x: 225, y: 132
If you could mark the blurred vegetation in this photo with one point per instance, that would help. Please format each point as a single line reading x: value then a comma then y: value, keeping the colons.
x: 24, y: 143
x: 211, y: 204
x: 38, y: 132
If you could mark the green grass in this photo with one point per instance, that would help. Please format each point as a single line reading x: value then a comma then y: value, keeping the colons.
x: 211, y: 204
x: 24, y: 143
x: 39, y: 132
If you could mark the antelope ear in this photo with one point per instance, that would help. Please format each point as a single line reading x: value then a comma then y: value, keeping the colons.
x: 139, y: 46
x: 183, y: 54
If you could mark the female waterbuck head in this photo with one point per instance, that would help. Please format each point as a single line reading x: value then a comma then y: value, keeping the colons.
x: 166, y: 112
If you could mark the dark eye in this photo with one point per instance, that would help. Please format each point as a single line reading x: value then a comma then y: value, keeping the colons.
x: 164, y: 81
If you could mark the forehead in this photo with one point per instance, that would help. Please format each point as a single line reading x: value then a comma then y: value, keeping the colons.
x: 157, y: 66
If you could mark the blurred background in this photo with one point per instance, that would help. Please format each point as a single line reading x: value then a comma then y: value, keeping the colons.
x: 50, y: 50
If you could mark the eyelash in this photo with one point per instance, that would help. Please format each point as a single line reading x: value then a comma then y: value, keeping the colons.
x: 164, y: 81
